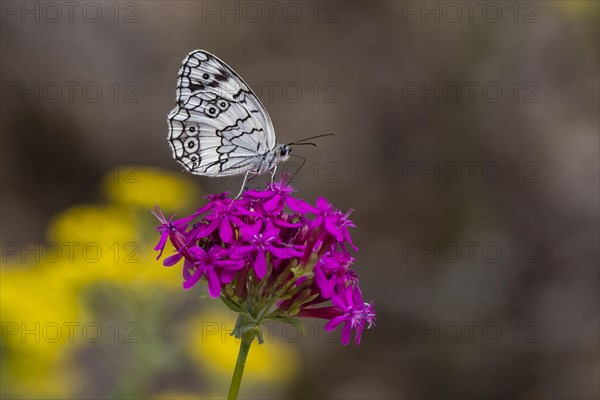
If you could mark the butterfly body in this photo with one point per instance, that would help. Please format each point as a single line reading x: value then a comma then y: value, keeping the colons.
x: 279, y: 154
x: 219, y: 127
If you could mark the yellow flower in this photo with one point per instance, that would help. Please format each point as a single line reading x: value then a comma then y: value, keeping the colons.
x: 35, y: 306
x: 211, y: 345
x: 145, y: 187
x: 86, y: 224
x: 95, y: 243
x: 42, y: 297
x: 175, y: 395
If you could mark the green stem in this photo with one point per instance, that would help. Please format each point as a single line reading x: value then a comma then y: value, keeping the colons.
x: 273, y: 300
x: 236, y: 380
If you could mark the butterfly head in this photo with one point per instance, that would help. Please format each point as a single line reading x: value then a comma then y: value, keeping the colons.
x: 283, y: 151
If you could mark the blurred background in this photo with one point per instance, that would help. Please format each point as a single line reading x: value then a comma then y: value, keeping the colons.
x: 466, y: 143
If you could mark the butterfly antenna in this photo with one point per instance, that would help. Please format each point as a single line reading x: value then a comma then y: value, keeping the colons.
x: 299, y: 168
x: 303, y: 144
x: 297, y: 142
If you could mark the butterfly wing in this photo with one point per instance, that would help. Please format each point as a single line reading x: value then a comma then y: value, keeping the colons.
x: 219, y: 127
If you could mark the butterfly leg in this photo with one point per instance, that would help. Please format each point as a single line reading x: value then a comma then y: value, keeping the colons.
x: 243, y: 185
x: 273, y: 173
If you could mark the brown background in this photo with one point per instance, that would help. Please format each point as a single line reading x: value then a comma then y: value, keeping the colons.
x: 357, y: 65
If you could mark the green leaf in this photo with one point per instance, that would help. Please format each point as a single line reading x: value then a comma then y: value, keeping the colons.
x: 242, y: 324
x: 245, y: 328
x: 304, y: 297
x: 259, y: 335
x: 296, y: 322
x: 231, y: 304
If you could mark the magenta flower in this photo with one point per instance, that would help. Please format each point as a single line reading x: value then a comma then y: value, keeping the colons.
x: 262, y: 241
x: 167, y: 228
x: 209, y: 264
x: 268, y: 263
x: 343, y: 223
x: 331, y: 224
x: 277, y: 195
x: 355, y: 314
x: 324, y: 213
x: 332, y: 270
x: 219, y: 217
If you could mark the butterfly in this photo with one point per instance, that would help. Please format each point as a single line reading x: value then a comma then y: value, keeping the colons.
x: 219, y: 127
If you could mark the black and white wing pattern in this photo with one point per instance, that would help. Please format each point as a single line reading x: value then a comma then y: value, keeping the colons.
x: 219, y: 127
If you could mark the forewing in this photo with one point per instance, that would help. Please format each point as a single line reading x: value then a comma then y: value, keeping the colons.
x: 202, y: 72
x: 214, y: 137
x: 219, y: 126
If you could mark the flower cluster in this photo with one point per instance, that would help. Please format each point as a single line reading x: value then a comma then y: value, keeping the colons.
x: 267, y: 263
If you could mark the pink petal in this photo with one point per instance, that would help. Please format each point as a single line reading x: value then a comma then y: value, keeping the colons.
x: 258, y: 194
x: 193, y: 279
x: 299, y: 205
x: 238, y: 222
x: 207, y: 229
x: 337, y: 301
x: 227, y: 276
x: 346, y: 332
x: 225, y: 232
x: 285, y: 252
x: 325, y: 285
x: 188, y: 269
x: 231, y: 264
x: 287, y: 224
x: 333, y: 229
x: 358, y: 334
x: 272, y: 203
x: 322, y: 204
x: 331, y: 325
x: 172, y: 260
x: 349, y: 240
x: 161, y: 243
x: 204, y: 209
x: 214, y: 284
x: 260, y: 264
